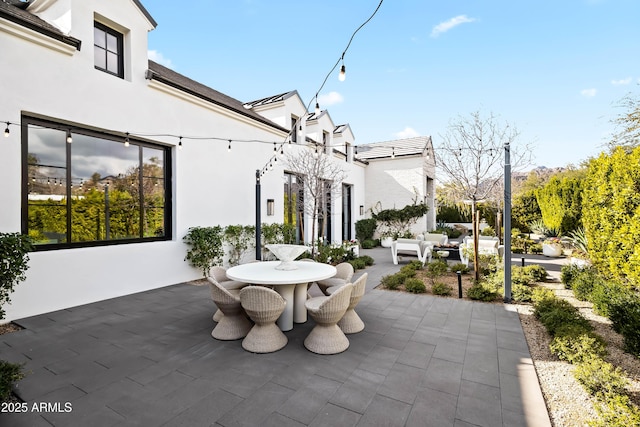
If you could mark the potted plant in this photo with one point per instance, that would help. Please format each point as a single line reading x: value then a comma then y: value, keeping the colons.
x: 552, y: 247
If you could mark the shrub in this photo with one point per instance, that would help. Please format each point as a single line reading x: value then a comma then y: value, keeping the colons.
x: 461, y: 267
x: 393, y: 281
x: 536, y: 272
x: 9, y: 374
x: 358, y: 263
x: 555, y: 313
x: 367, y: 259
x: 415, y: 286
x: 568, y: 272
x: 576, y: 345
x: 437, y: 268
x: 488, y: 231
x: 521, y: 293
x: 440, y: 288
x: 365, y: 229
x: 540, y: 294
x: 624, y: 313
x: 481, y: 292
x: 616, y: 411
x: 600, y: 378
x: 604, y: 292
x: 583, y: 284
x: 408, y: 271
x: 369, y: 244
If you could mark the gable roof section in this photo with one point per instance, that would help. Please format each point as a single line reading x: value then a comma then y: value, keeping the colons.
x: 401, y: 147
x: 14, y: 11
x: 271, y: 99
x: 178, y: 81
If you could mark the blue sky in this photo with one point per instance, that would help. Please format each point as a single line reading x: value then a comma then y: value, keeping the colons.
x: 556, y: 70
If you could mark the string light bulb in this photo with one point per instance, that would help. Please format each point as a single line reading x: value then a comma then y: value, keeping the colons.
x: 69, y: 137
x: 275, y: 149
x: 393, y: 152
x: 229, y: 147
x: 282, y: 149
x: 180, y: 143
x: 317, y: 107
x: 6, y: 131
x: 342, y: 74
x: 126, y: 139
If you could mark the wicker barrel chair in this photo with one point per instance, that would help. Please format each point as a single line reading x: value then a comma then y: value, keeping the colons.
x: 344, y: 273
x: 351, y: 322
x: 220, y: 274
x: 263, y: 306
x: 326, y: 337
x: 234, y: 323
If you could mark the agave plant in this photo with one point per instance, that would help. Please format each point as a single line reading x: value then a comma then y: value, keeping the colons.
x: 578, y: 239
x: 538, y: 227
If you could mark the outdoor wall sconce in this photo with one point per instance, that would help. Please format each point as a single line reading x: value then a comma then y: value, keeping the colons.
x: 270, y: 206
x: 361, y: 210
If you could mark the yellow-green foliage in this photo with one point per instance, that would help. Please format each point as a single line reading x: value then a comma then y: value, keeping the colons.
x: 560, y: 201
x: 611, y: 213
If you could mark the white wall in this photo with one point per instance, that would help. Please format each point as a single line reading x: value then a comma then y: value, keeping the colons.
x: 210, y: 186
x: 395, y: 183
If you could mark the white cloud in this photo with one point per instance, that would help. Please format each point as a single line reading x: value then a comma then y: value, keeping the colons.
x: 445, y: 26
x: 588, y: 93
x: 156, y: 56
x: 621, y: 81
x: 407, y: 132
x: 330, y: 98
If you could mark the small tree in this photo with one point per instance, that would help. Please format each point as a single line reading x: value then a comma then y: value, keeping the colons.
x: 471, y: 159
x: 321, y: 178
x: 206, y: 247
x: 238, y: 238
x: 14, y: 258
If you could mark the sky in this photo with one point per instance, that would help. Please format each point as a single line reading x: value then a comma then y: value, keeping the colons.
x: 555, y: 70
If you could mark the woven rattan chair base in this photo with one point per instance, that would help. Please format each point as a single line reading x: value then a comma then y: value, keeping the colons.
x: 326, y: 340
x: 351, y: 323
x: 264, y: 339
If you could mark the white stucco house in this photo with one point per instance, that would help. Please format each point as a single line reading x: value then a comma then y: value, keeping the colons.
x: 109, y: 158
x: 398, y: 173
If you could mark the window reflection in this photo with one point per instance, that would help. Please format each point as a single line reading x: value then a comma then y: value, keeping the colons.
x: 93, y: 190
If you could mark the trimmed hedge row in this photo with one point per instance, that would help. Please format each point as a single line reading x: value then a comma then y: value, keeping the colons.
x: 575, y: 342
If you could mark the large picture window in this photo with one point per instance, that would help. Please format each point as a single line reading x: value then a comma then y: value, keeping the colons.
x: 94, y: 190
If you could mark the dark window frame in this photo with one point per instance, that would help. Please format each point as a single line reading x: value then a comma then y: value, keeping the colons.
x: 30, y: 121
x: 120, y: 54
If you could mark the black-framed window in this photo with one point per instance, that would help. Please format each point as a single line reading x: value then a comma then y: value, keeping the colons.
x: 94, y: 190
x: 108, y: 50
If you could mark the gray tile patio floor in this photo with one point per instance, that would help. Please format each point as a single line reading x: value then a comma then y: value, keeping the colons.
x: 148, y: 359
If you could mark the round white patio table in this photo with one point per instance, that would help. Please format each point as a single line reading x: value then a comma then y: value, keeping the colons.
x: 290, y: 284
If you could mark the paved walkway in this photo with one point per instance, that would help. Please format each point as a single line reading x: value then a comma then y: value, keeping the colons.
x: 148, y: 360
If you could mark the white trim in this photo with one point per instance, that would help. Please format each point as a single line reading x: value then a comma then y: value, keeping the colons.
x: 35, y: 37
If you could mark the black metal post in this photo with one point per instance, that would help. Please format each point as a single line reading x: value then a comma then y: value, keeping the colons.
x: 258, y: 218
x: 459, y: 273
x: 507, y: 223
x: 522, y: 261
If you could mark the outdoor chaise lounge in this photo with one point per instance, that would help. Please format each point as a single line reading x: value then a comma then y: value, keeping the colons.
x: 486, y: 246
x: 419, y: 248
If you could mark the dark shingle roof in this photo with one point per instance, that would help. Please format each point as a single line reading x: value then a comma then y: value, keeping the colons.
x: 14, y: 11
x: 400, y: 147
x: 192, y: 87
x: 271, y: 99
